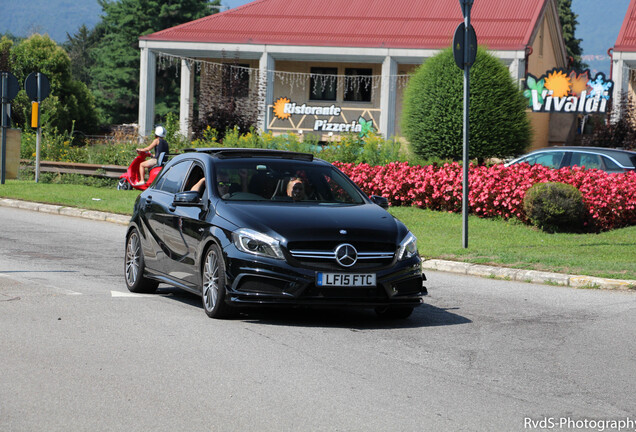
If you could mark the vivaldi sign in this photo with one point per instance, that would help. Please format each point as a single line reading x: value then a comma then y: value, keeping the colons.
x: 284, y: 108
x: 564, y: 91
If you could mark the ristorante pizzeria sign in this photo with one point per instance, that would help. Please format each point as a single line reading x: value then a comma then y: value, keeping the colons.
x: 284, y: 108
x: 564, y: 91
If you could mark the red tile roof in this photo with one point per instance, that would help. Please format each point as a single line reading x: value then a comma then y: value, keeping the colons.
x: 626, y: 40
x: 499, y: 24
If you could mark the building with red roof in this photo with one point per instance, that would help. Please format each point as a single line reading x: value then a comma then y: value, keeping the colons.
x: 624, y: 58
x: 316, y: 66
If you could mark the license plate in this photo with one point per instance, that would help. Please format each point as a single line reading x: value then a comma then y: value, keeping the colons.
x: 345, y: 279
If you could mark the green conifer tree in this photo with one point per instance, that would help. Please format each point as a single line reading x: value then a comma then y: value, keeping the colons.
x: 568, y: 29
x: 115, y: 76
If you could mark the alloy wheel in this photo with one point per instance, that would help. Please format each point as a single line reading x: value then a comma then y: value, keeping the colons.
x: 211, y: 280
x: 132, y: 259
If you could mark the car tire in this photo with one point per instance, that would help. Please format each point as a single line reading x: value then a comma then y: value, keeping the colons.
x: 123, y: 184
x: 394, y: 312
x: 134, y: 266
x: 213, y: 285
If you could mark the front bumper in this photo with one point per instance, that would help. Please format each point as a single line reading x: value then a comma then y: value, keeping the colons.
x: 261, y: 281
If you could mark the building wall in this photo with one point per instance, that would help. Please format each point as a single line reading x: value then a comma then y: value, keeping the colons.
x: 548, y: 129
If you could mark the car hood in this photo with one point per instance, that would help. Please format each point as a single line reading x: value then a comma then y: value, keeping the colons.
x: 310, y: 222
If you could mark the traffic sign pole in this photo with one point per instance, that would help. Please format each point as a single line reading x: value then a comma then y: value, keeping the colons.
x: 37, y: 88
x: 466, y: 128
x: 466, y: 6
x: 38, y: 135
x: 5, y: 92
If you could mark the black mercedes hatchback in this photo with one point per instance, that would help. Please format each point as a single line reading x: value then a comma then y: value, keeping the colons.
x: 248, y: 227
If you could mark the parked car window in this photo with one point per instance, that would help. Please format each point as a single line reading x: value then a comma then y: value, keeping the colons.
x: 589, y: 161
x: 549, y: 159
x: 172, y: 179
x: 610, y: 165
x: 608, y: 160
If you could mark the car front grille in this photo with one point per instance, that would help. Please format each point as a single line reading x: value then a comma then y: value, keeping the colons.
x: 369, y: 256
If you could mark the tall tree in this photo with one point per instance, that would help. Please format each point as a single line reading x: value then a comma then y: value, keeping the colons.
x: 69, y: 104
x: 115, y: 80
x: 79, y: 47
x: 5, y: 51
x: 568, y: 28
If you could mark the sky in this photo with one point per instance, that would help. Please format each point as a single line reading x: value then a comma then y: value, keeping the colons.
x: 233, y: 3
x: 599, y: 25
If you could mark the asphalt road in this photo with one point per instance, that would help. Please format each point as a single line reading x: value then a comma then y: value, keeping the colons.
x: 79, y: 353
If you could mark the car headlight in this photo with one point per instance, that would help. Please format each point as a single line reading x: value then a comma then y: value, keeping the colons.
x: 408, y: 247
x: 256, y: 243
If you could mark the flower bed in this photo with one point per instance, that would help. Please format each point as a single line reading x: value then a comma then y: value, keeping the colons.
x: 498, y: 191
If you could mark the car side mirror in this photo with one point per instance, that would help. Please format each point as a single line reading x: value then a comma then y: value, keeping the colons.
x: 381, y: 201
x: 187, y: 199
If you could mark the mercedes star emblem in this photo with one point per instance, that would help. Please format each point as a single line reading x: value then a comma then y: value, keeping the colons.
x: 346, y: 255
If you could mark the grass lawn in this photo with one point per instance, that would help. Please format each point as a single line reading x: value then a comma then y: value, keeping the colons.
x: 609, y: 254
x: 510, y: 244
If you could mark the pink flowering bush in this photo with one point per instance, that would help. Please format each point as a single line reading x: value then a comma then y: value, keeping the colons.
x: 498, y: 191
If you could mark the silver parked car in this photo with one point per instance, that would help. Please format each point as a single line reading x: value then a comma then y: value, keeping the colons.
x: 606, y: 159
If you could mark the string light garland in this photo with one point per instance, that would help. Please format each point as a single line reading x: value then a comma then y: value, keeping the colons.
x: 292, y: 80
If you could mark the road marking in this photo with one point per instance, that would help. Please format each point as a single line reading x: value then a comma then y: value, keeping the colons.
x: 125, y: 294
x: 63, y: 290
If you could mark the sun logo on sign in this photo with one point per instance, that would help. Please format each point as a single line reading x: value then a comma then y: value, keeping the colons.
x: 559, y: 83
x: 279, y: 108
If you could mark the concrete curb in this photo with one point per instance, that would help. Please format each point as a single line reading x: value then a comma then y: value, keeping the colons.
x: 532, y: 276
x: 66, y: 211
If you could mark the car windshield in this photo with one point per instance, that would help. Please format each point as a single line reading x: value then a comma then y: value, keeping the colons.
x: 289, y: 181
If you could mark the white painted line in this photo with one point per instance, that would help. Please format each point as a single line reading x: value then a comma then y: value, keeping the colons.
x: 65, y: 291
x: 125, y: 294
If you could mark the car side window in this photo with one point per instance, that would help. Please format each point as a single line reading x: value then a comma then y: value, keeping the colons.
x: 530, y: 160
x: 172, y: 180
x: 610, y: 165
x: 195, y: 180
x: 550, y: 159
x: 586, y: 160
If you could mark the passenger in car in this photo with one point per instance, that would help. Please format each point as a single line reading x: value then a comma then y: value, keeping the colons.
x: 296, y: 189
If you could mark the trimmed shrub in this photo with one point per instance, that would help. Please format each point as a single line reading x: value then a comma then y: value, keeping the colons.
x: 432, y: 118
x: 554, y: 207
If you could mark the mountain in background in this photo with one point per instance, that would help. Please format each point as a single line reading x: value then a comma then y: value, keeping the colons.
x: 599, y: 22
x: 53, y: 17
x: 599, y: 25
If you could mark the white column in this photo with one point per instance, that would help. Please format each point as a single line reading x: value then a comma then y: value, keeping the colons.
x: 186, y: 98
x: 388, y: 93
x: 147, y: 82
x: 265, y: 88
x: 517, y: 68
x: 620, y: 76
